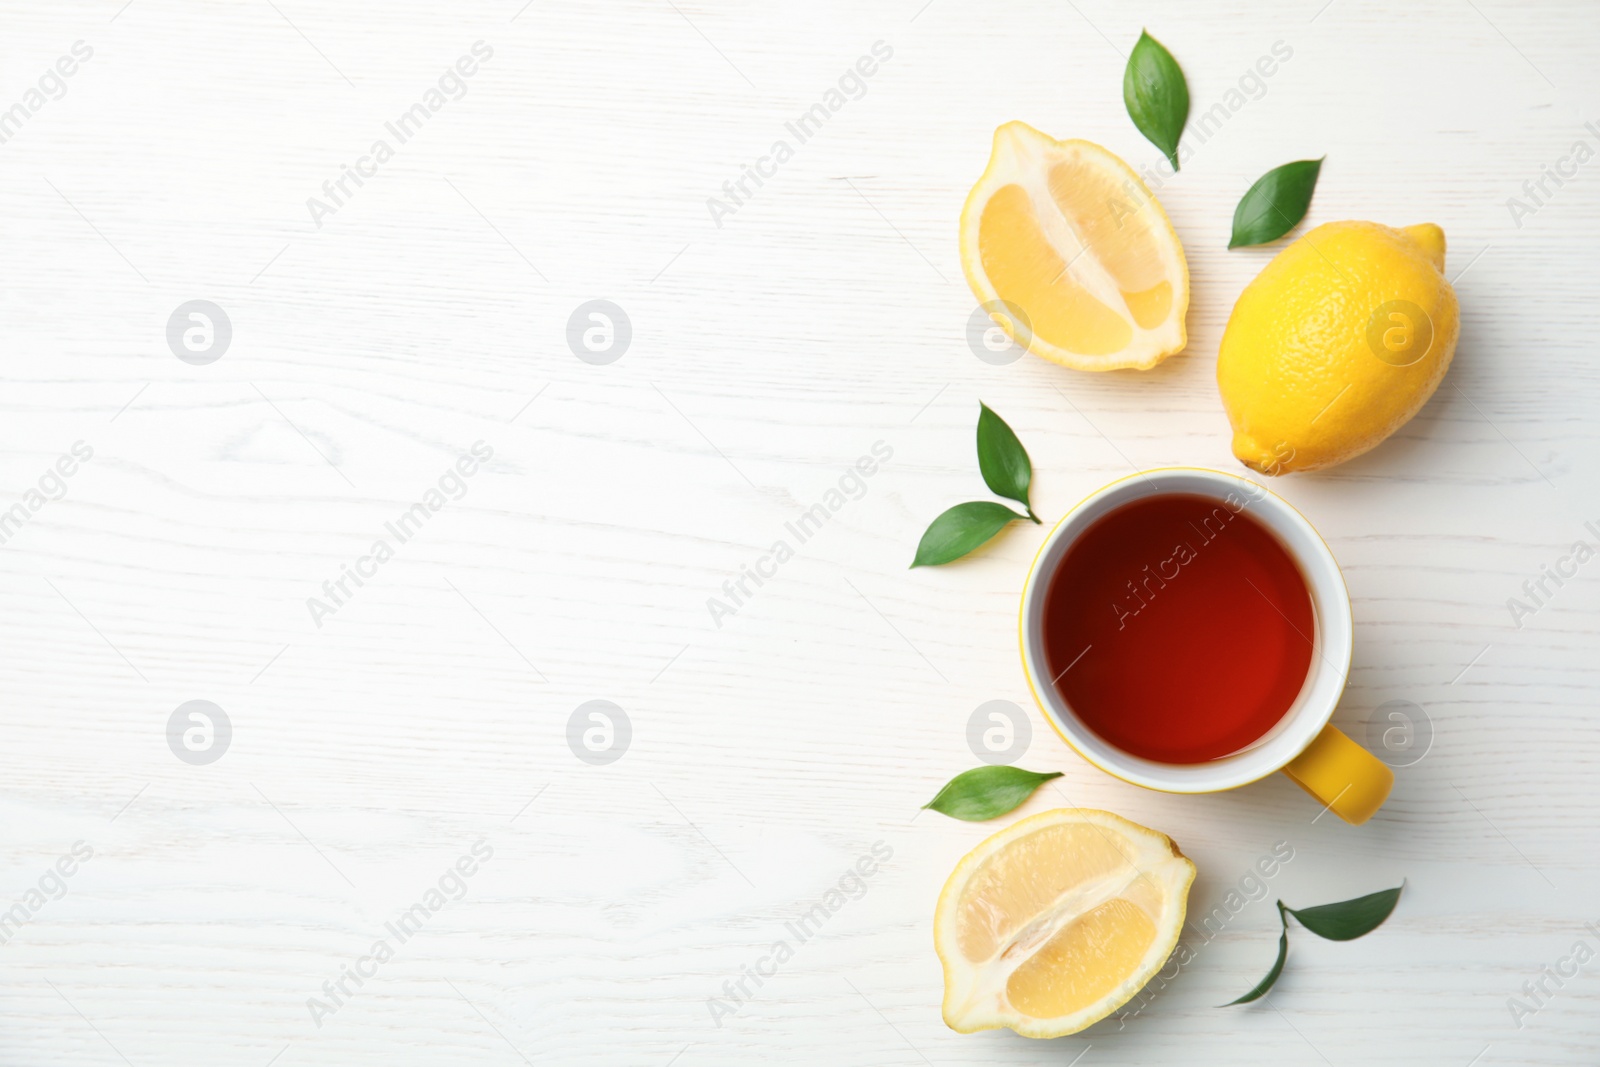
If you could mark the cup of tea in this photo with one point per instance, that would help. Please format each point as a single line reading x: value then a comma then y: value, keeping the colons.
x: 1188, y: 630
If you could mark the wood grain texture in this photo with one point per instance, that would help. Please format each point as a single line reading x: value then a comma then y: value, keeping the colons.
x: 826, y: 314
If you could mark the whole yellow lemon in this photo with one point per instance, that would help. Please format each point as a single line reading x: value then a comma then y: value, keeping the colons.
x: 1336, y: 344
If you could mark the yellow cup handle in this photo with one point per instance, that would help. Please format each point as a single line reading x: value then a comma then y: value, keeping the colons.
x: 1344, y: 777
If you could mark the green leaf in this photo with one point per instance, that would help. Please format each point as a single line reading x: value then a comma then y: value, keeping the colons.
x: 1156, y: 95
x: 985, y: 792
x: 1277, y: 968
x: 1002, y: 459
x: 960, y: 530
x: 1349, y: 919
x: 1275, y: 204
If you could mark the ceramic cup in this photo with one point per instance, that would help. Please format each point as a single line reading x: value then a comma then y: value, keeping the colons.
x: 1344, y: 777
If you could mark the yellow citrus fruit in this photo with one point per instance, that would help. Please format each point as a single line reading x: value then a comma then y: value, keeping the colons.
x: 1071, y: 254
x: 1336, y: 344
x: 1057, y: 921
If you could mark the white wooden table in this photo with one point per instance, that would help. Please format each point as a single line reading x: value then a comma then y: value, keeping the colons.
x: 377, y: 339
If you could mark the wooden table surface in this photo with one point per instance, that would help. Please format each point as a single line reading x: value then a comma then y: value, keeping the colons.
x: 399, y: 801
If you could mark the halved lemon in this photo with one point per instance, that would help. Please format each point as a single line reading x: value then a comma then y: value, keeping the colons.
x: 1071, y: 254
x: 1057, y: 921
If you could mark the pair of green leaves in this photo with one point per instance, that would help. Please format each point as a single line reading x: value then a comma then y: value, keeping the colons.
x: 1007, y: 472
x: 1157, y: 97
x: 1342, y: 921
x: 987, y: 792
